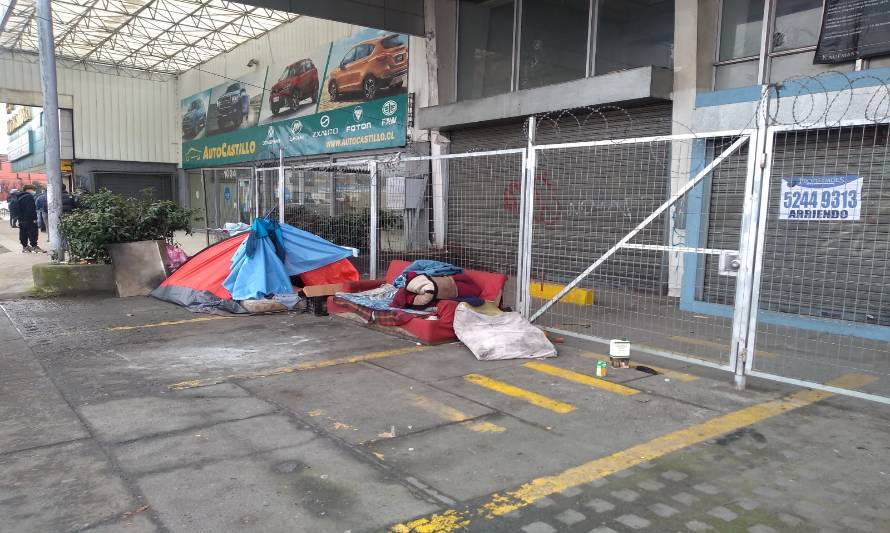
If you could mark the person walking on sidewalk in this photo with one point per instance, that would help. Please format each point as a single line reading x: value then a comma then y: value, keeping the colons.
x: 12, y: 200
x: 27, y: 212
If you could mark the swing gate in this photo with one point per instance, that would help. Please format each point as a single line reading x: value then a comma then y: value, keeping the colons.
x: 764, y: 252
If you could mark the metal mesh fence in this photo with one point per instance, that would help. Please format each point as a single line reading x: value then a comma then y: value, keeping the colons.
x: 588, y: 198
x: 333, y: 203
x: 466, y: 213
x: 824, y: 294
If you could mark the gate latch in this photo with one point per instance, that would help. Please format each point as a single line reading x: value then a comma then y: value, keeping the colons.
x: 729, y: 263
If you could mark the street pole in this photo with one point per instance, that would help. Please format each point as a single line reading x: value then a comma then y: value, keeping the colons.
x: 50, y: 125
x: 281, y: 185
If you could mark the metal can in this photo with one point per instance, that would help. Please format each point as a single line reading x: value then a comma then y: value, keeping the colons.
x: 601, y: 367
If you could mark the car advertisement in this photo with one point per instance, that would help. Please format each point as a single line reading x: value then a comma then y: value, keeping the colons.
x: 344, y: 96
x: 194, y: 115
x: 235, y: 104
x: 292, y: 86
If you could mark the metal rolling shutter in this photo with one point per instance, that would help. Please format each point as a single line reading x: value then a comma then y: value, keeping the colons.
x: 132, y: 185
x: 595, y: 196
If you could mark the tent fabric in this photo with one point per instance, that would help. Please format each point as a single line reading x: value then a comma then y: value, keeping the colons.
x: 256, y: 268
x: 340, y: 272
x: 218, y: 276
x: 206, y: 270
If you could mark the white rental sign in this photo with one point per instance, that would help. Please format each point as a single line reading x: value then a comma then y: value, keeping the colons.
x: 837, y: 198
x: 20, y: 146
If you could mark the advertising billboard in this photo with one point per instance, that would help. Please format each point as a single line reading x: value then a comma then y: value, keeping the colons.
x: 346, y: 95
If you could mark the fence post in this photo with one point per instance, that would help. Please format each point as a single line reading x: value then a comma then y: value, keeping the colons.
x: 741, y: 349
x: 526, y: 218
x: 372, y: 167
x: 281, y: 185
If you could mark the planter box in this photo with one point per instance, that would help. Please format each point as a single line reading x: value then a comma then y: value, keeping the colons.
x: 73, y: 279
x: 139, y: 267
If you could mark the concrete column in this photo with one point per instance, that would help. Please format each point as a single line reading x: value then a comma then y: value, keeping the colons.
x: 50, y: 125
x: 695, y: 34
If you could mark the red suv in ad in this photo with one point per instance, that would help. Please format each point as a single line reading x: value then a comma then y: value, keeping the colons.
x: 370, y: 66
x: 298, y: 82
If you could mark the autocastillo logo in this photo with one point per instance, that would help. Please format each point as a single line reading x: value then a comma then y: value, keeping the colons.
x: 324, y: 121
x: 390, y: 107
x: 357, y: 113
x: 295, y: 128
x: 271, y: 137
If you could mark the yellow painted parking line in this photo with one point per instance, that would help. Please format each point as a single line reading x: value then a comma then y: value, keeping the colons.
x: 501, y: 504
x: 171, y: 323
x: 715, y: 344
x: 455, y: 415
x: 583, y: 379
x: 191, y: 384
x: 676, y: 374
x: 512, y: 390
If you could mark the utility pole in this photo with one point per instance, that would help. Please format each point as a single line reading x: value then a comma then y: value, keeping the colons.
x: 50, y: 125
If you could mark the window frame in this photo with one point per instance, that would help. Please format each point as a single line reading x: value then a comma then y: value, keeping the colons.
x: 767, y: 45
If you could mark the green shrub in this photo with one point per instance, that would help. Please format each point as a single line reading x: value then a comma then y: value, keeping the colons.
x: 106, y: 218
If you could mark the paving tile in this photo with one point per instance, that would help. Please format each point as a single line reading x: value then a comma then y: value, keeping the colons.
x: 673, y: 475
x: 571, y: 492
x: 543, y: 502
x: 570, y: 517
x: 790, y: 519
x: 626, y: 495
x: 603, y: 529
x: 685, y: 498
x: 707, y: 488
x: 760, y: 528
x: 539, y: 527
x: 599, y: 505
x: 767, y: 492
x: 747, y: 504
x: 599, y: 482
x: 633, y: 521
x: 663, y: 510
x: 698, y: 525
x: 723, y: 514
x: 650, y: 484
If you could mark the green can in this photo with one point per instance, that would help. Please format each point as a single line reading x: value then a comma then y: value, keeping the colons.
x: 601, y: 367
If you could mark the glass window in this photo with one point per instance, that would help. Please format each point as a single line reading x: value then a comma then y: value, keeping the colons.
x: 349, y: 57
x: 485, y: 48
x: 553, y: 45
x: 363, y: 51
x: 797, y: 24
x: 634, y: 34
x: 741, y: 23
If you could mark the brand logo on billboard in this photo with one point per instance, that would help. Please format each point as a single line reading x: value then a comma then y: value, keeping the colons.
x: 295, y: 128
x: 390, y: 107
x: 325, y: 121
x: 357, y: 113
x: 193, y: 155
x: 271, y: 137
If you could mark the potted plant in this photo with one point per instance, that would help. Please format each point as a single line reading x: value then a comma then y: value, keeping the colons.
x: 131, y: 233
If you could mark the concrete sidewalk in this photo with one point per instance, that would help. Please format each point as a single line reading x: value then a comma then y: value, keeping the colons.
x: 16, y: 266
x: 135, y: 415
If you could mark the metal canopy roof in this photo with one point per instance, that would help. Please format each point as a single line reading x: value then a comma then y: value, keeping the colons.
x: 165, y: 36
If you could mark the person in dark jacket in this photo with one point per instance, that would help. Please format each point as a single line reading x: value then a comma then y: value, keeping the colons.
x: 69, y: 204
x: 12, y: 202
x: 27, y: 211
x: 40, y: 202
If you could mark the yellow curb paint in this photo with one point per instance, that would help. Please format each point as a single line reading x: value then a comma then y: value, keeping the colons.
x: 171, y: 323
x: 583, y: 379
x: 715, y: 344
x: 516, y: 392
x: 454, y: 415
x: 501, y: 504
x: 676, y: 374
x: 191, y: 384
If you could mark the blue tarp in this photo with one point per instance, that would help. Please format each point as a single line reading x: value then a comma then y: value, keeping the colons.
x: 271, y: 254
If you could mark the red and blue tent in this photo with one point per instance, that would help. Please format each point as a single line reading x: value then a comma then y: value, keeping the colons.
x: 255, y: 265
